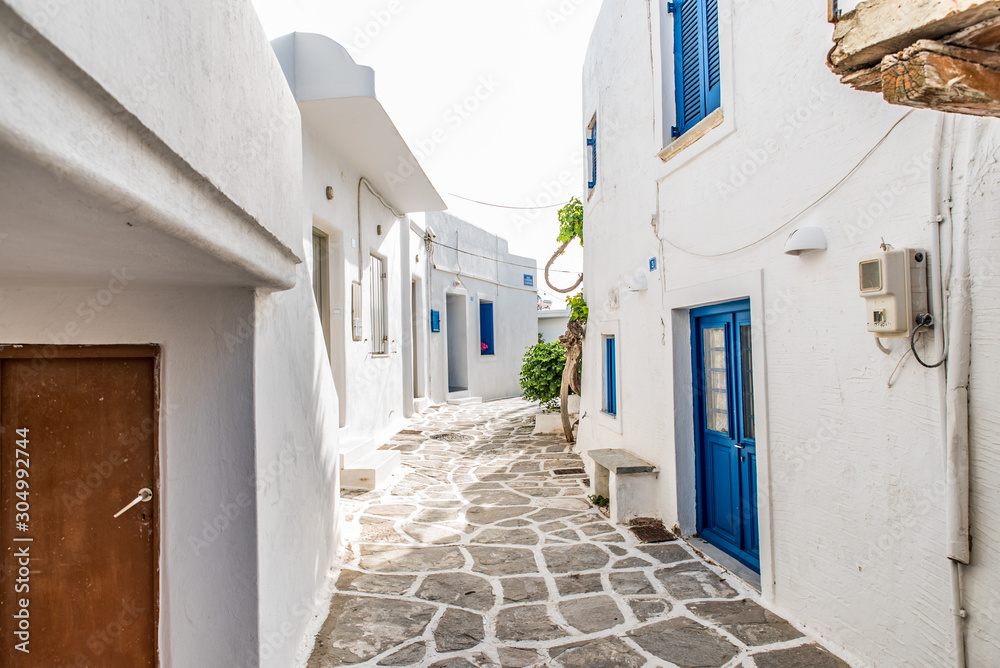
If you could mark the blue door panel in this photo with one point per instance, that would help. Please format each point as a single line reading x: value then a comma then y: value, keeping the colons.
x: 726, y: 461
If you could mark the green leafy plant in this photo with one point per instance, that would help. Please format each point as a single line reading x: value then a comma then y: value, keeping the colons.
x: 571, y: 221
x: 578, y: 307
x: 599, y: 501
x: 541, y: 373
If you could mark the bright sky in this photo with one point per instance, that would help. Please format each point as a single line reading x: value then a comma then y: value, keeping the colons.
x: 501, y: 79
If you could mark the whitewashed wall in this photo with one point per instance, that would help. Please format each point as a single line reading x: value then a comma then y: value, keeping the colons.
x: 850, y: 470
x: 165, y: 144
x: 374, y: 398
x: 485, y: 271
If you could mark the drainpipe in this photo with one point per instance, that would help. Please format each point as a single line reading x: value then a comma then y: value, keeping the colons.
x: 953, y: 317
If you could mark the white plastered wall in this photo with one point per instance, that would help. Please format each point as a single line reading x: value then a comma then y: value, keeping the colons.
x: 485, y: 271
x: 852, y: 529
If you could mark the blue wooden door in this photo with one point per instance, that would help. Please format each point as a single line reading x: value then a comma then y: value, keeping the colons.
x: 725, y: 430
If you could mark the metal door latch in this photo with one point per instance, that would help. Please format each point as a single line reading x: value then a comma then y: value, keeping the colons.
x: 145, y: 494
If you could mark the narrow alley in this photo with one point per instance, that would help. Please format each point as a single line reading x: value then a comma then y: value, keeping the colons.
x: 486, y: 552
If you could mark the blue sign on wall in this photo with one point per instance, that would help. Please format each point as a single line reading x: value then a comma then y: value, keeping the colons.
x: 652, y: 264
x: 435, y: 321
x: 529, y: 280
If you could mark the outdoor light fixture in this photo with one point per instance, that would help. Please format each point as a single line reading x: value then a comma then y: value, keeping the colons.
x: 805, y: 240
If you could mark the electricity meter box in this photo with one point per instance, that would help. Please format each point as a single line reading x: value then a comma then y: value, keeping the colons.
x: 894, y: 285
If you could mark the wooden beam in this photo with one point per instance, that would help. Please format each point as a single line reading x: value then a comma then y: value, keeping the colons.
x: 878, y: 28
x: 868, y: 81
x: 985, y: 35
x: 929, y: 80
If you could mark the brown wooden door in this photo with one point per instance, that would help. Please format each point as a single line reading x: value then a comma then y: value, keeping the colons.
x: 78, y: 429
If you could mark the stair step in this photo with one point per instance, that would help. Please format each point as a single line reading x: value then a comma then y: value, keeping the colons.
x: 464, y: 401
x: 371, y: 471
x: 353, y: 451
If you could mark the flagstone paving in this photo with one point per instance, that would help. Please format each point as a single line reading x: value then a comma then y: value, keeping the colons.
x: 479, y: 554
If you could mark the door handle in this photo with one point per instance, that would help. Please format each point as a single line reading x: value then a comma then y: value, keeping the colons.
x: 145, y: 494
x: 738, y: 446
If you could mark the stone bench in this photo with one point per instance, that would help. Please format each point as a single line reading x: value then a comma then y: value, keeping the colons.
x: 626, y: 480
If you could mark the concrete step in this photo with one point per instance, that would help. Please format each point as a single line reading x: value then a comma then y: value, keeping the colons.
x: 354, y: 451
x: 463, y: 398
x: 371, y: 471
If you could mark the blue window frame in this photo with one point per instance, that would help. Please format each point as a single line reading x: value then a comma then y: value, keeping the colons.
x: 435, y: 321
x: 610, y: 377
x: 486, y: 328
x: 697, y: 71
x: 592, y: 143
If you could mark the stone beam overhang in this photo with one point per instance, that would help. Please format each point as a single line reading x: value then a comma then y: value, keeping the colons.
x: 88, y: 187
x: 336, y: 96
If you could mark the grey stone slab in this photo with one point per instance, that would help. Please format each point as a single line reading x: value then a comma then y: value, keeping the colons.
x: 581, y: 583
x: 502, y: 560
x: 567, y: 535
x: 591, y: 614
x: 549, y: 514
x: 541, y: 492
x: 432, y: 515
x: 811, y: 656
x: 631, y: 562
x: 631, y: 583
x: 511, y: 657
x: 527, y: 622
x: 621, y: 462
x: 667, y: 554
x: 431, y: 534
x: 597, y: 528
x: 611, y: 538
x: 414, y: 560
x: 458, y: 630
x: 574, y: 558
x: 524, y: 590
x: 391, y: 510
x: 645, y: 609
x: 552, y: 527
x: 685, y: 643
x: 486, y: 515
x: 507, y: 536
x: 494, y: 498
x: 617, y: 551
x: 516, y: 523
x: 407, y: 656
x: 360, y: 628
x: 457, y: 662
x: 748, y: 621
x: 694, y: 580
x: 600, y: 653
x: 525, y: 467
x: 393, y: 585
x: 460, y: 589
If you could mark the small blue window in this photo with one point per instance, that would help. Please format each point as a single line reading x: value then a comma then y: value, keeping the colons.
x: 610, y: 377
x: 435, y: 321
x: 697, y: 67
x: 592, y: 143
x: 486, y: 328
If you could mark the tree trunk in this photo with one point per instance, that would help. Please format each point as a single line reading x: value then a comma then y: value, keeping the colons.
x: 572, y: 341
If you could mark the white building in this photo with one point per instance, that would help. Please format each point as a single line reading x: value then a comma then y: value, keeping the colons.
x: 552, y: 324
x: 360, y: 182
x: 153, y: 239
x: 823, y: 463
x: 482, y: 311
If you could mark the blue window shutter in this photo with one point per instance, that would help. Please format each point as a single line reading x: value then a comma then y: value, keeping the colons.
x: 697, y: 64
x: 610, y: 387
x: 713, y: 97
x: 486, y: 328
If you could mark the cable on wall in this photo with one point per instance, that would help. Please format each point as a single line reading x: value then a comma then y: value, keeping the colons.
x: 504, y: 206
x: 803, y: 211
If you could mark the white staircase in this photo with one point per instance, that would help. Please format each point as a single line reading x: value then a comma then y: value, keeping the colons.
x: 362, y: 466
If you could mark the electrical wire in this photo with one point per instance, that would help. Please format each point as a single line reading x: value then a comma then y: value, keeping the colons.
x: 486, y: 257
x: 800, y: 213
x: 503, y: 206
x: 925, y: 321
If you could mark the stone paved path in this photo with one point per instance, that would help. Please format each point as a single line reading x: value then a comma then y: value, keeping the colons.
x: 486, y: 553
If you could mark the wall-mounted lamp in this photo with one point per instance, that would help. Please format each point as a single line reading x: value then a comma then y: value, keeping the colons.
x: 805, y: 240
x: 639, y: 283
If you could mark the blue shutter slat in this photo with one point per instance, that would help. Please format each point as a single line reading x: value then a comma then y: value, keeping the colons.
x: 713, y: 98
x: 697, y: 63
